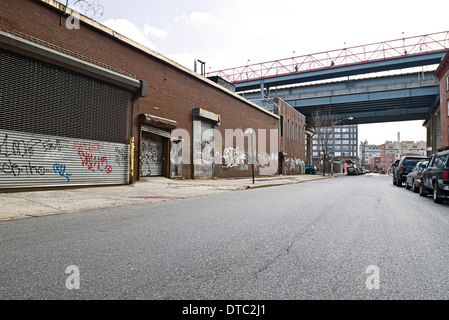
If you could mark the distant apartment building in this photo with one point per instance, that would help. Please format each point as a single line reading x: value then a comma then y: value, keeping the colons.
x: 344, y: 144
x: 391, y: 151
x: 367, y: 152
x: 375, y: 163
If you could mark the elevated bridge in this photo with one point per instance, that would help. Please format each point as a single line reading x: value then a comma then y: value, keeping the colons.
x: 381, y: 99
x: 398, y: 98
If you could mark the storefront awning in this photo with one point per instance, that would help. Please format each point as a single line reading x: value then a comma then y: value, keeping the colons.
x: 199, y: 112
x: 158, y: 122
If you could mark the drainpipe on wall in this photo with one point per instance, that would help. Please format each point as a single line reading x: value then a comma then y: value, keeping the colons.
x: 131, y: 159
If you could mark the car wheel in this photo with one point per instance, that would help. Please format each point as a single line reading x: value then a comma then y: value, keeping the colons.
x: 436, y: 194
x: 399, y: 183
x: 407, y: 186
x: 414, y: 187
x: 394, y: 181
x: 422, y: 191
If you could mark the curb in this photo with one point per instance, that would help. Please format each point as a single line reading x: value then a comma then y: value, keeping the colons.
x: 27, y: 208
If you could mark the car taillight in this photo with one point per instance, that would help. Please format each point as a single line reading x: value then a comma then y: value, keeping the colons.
x: 401, y: 169
x: 419, y: 173
x: 446, y: 173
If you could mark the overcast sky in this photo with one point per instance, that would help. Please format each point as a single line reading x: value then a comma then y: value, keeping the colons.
x: 228, y: 33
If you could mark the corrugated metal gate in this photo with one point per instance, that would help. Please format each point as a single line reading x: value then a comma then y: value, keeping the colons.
x: 151, y: 155
x: 45, y: 111
x: 203, y: 149
x: 30, y: 160
x: 152, y: 150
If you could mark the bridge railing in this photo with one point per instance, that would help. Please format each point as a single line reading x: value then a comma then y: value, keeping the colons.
x: 412, y: 46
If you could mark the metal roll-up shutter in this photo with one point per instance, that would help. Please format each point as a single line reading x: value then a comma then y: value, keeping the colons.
x: 32, y: 160
x: 37, y: 97
x: 46, y: 112
x: 151, y: 153
x: 156, y: 131
x: 203, y: 149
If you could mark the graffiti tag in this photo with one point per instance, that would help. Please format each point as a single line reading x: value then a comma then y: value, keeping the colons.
x: 16, y: 170
x: 61, y: 170
x: 94, y: 163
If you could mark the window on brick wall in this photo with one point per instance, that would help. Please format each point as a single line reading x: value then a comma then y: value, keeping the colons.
x: 281, y: 121
x: 292, y: 136
x: 447, y: 106
x: 447, y: 83
x: 296, y: 133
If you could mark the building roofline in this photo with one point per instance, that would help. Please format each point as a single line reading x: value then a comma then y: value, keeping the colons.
x: 117, y: 36
x: 443, y: 67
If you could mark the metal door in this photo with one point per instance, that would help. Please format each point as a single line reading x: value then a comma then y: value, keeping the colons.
x: 151, y: 149
x: 203, y: 149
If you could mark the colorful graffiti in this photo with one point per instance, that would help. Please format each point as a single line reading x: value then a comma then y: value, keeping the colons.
x: 92, y: 155
x: 44, y: 158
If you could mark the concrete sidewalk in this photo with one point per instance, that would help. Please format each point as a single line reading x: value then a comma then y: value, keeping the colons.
x: 155, y: 189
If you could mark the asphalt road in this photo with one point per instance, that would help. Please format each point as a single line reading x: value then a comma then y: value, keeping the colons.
x: 353, y: 237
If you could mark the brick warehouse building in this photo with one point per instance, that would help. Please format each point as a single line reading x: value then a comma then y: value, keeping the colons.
x: 72, y: 99
x: 442, y: 73
x: 292, y: 135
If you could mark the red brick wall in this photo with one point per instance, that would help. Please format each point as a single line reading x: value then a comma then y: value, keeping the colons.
x: 290, y: 144
x: 444, y: 98
x: 442, y: 73
x: 173, y: 93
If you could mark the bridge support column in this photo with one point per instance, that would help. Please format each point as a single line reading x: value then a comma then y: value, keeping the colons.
x: 309, y: 134
x: 309, y: 150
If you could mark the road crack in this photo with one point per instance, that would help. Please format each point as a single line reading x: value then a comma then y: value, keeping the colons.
x: 287, y: 250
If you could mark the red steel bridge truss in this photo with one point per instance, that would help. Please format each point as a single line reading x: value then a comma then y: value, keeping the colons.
x: 393, y: 49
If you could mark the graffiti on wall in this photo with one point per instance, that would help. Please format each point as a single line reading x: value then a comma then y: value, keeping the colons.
x: 232, y: 158
x: 294, y: 166
x: 41, y: 158
x: 93, y: 156
x: 264, y: 160
x: 150, y: 154
x: 13, y: 149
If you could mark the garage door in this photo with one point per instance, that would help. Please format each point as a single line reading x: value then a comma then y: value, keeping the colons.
x: 151, y: 155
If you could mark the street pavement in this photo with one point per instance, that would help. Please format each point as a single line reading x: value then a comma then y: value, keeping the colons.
x: 353, y: 237
x: 154, y: 189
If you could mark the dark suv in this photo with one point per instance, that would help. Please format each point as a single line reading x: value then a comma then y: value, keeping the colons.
x: 435, y: 178
x: 403, y: 168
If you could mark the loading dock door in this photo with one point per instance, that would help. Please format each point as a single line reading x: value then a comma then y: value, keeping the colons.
x: 151, y: 150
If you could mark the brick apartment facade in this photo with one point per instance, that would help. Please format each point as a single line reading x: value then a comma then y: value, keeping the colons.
x: 442, y: 73
x: 375, y: 163
x: 391, y: 151
x: 158, y: 97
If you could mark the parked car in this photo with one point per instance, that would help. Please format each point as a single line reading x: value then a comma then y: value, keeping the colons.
x: 435, y: 179
x: 403, y: 168
x: 311, y: 169
x: 351, y: 171
x: 414, y: 177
